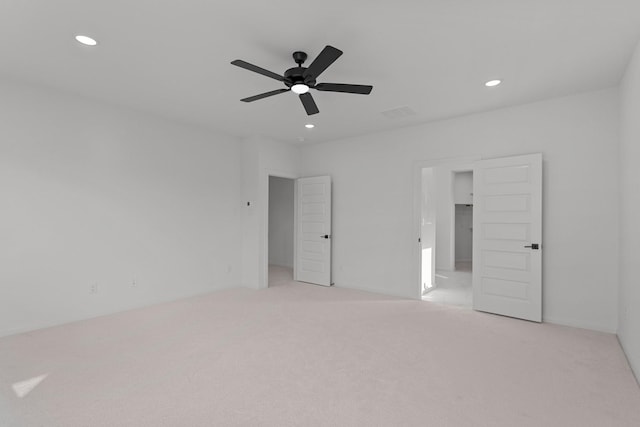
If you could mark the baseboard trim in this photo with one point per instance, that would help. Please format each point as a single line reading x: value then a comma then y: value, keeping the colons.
x: 577, y: 324
x: 52, y: 324
x: 374, y: 291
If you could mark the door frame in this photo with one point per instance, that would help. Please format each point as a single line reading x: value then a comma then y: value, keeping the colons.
x: 418, y: 165
x: 263, y: 249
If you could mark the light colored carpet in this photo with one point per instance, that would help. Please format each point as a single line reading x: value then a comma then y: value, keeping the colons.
x: 304, y: 355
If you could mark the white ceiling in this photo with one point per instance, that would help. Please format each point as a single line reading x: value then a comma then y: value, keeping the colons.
x: 172, y: 57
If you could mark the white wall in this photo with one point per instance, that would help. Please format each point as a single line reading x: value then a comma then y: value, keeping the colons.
x: 629, y: 312
x: 445, y: 215
x: 463, y: 188
x: 97, y: 195
x: 374, y: 235
x: 281, y: 221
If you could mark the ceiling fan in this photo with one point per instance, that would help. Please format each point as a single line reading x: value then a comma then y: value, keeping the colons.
x: 300, y: 79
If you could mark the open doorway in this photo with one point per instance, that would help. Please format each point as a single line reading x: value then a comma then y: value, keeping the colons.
x: 500, y: 211
x: 281, y: 230
x: 463, y: 218
x: 447, y: 234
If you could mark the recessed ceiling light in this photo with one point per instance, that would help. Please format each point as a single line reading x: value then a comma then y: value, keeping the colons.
x: 309, y: 126
x: 493, y: 83
x: 300, y: 88
x: 86, y: 40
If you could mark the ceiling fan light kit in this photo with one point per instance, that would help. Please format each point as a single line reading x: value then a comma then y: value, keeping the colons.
x: 300, y: 80
x: 300, y: 88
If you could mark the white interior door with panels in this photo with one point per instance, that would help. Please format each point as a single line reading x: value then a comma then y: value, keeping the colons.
x: 313, y: 237
x: 507, y: 241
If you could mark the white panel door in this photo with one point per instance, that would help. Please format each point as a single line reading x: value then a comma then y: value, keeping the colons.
x: 507, y: 237
x: 313, y: 237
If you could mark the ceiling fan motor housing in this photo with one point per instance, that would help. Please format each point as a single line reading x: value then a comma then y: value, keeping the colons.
x: 295, y: 75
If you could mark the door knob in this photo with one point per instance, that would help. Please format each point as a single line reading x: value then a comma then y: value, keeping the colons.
x: 325, y: 236
x: 533, y: 246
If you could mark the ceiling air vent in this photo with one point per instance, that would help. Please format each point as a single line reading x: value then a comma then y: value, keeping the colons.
x: 399, y: 113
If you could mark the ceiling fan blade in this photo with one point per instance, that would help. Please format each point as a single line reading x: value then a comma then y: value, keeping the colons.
x: 264, y: 95
x: 309, y: 104
x: 340, y: 87
x: 242, y: 64
x: 327, y: 57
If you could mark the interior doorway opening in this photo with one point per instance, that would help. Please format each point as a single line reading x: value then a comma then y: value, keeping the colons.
x: 281, y: 230
x: 463, y: 220
x: 446, y: 234
x: 505, y: 195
